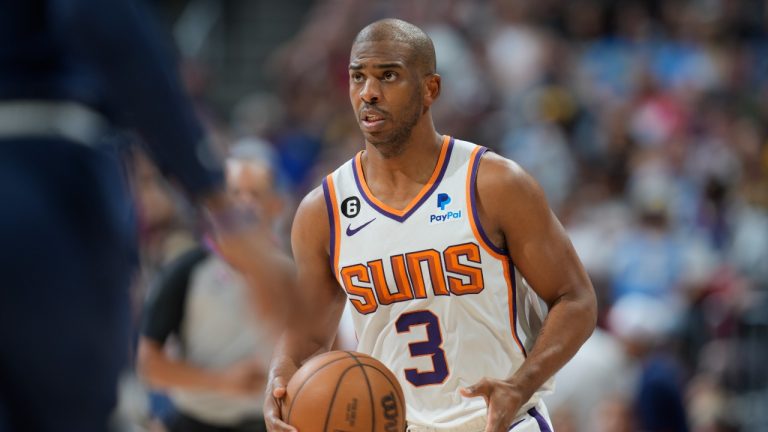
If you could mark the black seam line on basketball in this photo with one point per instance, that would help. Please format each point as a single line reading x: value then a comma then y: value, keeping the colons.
x: 394, y: 386
x: 298, y: 391
x: 333, y: 396
x: 370, y: 390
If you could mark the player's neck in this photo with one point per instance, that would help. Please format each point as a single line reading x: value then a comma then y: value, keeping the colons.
x: 414, y: 164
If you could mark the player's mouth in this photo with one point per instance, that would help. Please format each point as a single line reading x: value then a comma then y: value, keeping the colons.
x: 371, y: 120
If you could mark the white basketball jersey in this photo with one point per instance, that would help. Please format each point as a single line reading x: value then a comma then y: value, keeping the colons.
x: 431, y: 296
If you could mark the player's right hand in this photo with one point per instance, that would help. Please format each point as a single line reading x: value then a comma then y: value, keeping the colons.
x: 273, y: 402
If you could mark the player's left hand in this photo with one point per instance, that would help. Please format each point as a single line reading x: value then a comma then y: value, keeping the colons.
x: 503, y: 400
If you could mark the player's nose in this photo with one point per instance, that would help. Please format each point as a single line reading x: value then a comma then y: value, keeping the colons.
x: 371, y: 91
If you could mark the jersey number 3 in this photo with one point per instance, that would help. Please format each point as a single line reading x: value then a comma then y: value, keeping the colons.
x: 430, y: 347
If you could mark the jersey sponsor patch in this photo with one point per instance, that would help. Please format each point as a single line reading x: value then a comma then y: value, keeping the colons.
x: 443, y: 200
x: 445, y: 217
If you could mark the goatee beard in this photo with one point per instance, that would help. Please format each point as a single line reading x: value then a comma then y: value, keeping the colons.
x: 392, y: 148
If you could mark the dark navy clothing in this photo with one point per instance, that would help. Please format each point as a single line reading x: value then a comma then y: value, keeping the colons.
x: 68, y: 245
x: 67, y: 234
x: 659, y: 405
x: 109, y: 56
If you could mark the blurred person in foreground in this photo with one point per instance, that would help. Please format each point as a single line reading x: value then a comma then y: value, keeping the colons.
x: 422, y: 232
x: 216, y: 380
x: 71, y: 72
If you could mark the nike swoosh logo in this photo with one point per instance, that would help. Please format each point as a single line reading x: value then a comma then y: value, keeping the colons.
x: 351, y: 231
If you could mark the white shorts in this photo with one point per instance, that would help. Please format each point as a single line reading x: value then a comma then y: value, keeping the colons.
x: 535, y: 419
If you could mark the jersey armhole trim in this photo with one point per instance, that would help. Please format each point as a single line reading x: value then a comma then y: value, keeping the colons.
x: 492, y: 249
x: 331, y: 206
x: 474, y: 218
x: 510, y: 275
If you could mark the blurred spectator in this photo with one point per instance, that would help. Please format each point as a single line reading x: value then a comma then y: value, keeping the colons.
x: 652, y: 258
x: 643, y: 324
x: 216, y: 376
x: 596, y: 375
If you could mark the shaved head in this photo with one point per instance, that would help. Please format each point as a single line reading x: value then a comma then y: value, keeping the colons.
x: 422, y: 54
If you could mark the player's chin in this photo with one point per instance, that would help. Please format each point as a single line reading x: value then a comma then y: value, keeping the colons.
x: 377, y: 138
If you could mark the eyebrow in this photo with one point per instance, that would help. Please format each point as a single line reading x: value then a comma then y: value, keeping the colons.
x: 394, y: 65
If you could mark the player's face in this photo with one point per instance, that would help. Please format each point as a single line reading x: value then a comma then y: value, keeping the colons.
x: 386, y: 93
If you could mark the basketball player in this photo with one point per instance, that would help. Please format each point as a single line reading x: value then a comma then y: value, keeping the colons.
x: 448, y: 254
x: 71, y: 73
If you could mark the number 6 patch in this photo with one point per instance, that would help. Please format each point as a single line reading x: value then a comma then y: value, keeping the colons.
x: 350, y: 207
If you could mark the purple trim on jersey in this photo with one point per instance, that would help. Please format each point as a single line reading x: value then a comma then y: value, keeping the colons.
x: 473, y: 199
x: 420, y: 202
x: 512, y: 273
x: 515, y: 424
x: 543, y: 425
x: 332, y: 223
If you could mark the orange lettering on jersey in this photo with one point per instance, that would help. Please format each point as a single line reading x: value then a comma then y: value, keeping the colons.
x: 452, y: 265
x: 383, y: 293
x: 401, y: 276
x: 436, y: 275
x: 368, y: 302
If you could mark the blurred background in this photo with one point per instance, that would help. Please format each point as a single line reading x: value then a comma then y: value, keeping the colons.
x: 646, y: 122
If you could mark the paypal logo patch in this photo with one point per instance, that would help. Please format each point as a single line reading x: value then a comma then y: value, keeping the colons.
x: 443, y: 199
x: 445, y: 217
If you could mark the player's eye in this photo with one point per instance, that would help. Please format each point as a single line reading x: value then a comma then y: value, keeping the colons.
x: 390, y: 76
x: 356, y: 77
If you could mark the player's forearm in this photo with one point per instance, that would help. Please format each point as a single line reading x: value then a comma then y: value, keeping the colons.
x: 570, y: 322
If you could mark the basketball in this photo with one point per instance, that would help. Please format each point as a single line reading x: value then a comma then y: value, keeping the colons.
x: 344, y: 391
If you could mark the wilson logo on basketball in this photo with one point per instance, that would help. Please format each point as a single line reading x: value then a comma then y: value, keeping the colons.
x: 391, y: 412
x: 352, y: 412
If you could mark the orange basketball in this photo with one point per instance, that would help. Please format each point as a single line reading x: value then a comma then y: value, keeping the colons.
x: 344, y: 391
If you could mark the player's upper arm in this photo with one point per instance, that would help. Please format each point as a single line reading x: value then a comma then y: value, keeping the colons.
x: 319, y: 291
x: 514, y: 208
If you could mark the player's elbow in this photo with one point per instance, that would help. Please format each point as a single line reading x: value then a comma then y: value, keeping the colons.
x: 585, y: 306
x: 580, y: 304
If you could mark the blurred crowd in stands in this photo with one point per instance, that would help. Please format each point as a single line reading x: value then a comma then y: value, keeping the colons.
x: 646, y: 122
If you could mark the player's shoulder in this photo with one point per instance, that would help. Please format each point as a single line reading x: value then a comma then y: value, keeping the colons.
x: 499, y: 174
x: 313, y: 204
x: 506, y: 192
x: 311, y: 214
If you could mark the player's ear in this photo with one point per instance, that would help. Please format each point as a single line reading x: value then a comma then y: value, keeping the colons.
x: 432, y: 86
